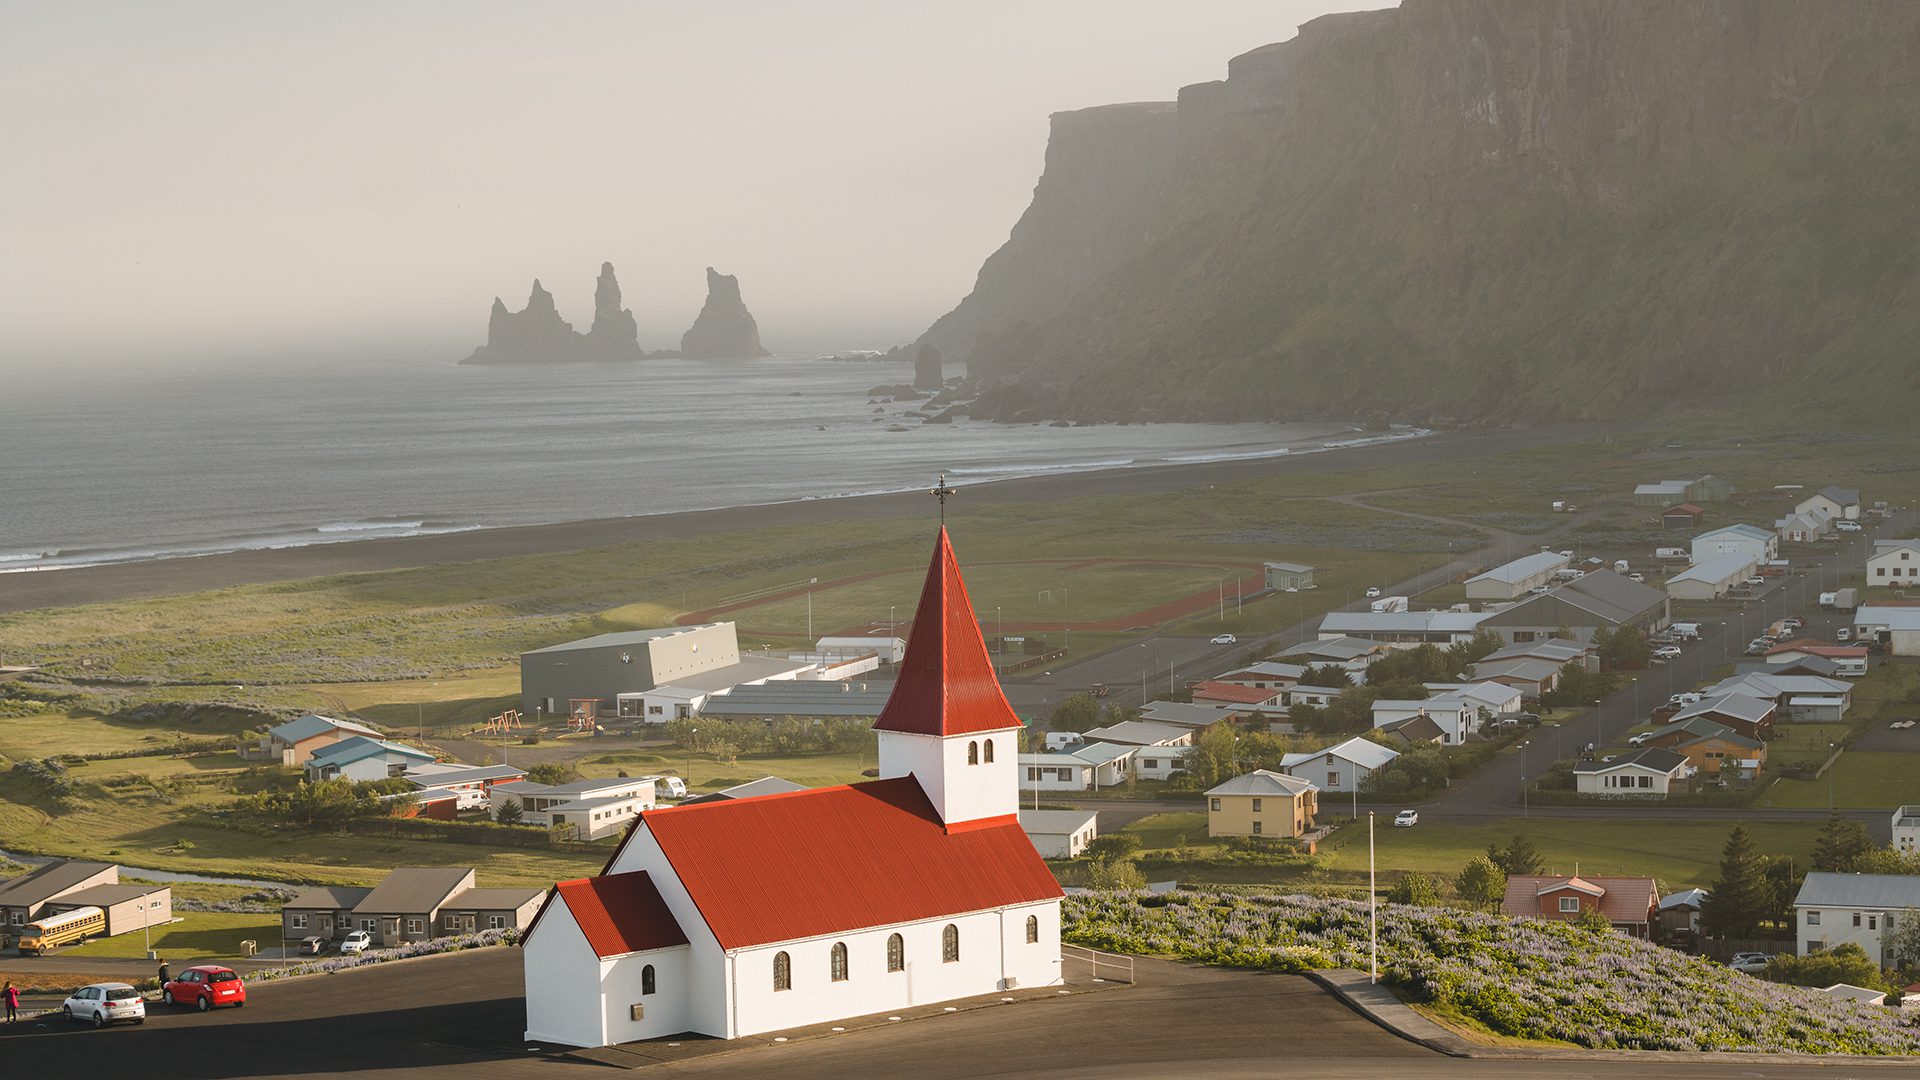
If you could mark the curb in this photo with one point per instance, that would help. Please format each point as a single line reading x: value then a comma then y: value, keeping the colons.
x: 1379, y: 1005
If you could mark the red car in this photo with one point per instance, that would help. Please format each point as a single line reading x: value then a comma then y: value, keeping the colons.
x: 204, y: 987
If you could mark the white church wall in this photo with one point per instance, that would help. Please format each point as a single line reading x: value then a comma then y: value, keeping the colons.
x: 563, y: 976
x: 707, y: 1007
x: 958, y: 791
x: 1037, y: 964
x: 664, y: 1012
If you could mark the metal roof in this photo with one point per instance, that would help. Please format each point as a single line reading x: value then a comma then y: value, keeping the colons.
x: 623, y: 637
x: 1623, y: 899
x: 1531, y: 670
x: 1140, y: 733
x: 766, y: 785
x: 801, y: 697
x: 329, y: 897
x: 1737, y: 705
x: 306, y: 727
x: 1234, y: 692
x: 1718, y: 570
x: 1654, y: 758
x: 1401, y: 622
x: 1692, y: 898
x: 1750, y: 532
x: 1057, y: 822
x: 1843, y: 496
x: 356, y: 747
x: 412, y: 889
x: 1290, y: 567
x: 1523, y: 568
x: 108, y: 895
x: 44, y: 882
x: 946, y: 684
x: 1263, y: 782
x: 442, y: 773
x: 1365, y: 753
x: 1184, y: 713
x: 726, y: 677
x: 832, y: 860
x: 1893, y: 618
x: 1340, y: 648
x: 494, y: 899
x: 618, y: 914
x: 1554, y: 649
x: 1882, y: 891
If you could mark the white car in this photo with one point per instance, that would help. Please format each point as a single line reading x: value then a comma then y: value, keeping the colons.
x: 1226, y: 639
x: 358, y: 941
x: 1406, y: 819
x: 1668, y: 652
x: 1373, y: 591
x: 1847, y: 526
x: 106, y: 1003
x: 1640, y: 739
x: 1750, y: 962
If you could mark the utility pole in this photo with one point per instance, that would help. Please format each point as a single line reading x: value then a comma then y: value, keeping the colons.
x: 809, y: 615
x: 1373, y: 911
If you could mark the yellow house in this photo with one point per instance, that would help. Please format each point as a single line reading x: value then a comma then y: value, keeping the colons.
x: 1262, y: 803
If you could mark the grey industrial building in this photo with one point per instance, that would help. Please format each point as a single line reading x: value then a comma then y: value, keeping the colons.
x: 1600, y: 599
x: 814, y: 699
x: 601, y: 668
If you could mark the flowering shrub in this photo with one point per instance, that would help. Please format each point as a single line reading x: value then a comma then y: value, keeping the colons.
x: 1527, y: 978
x: 255, y: 902
x: 400, y: 952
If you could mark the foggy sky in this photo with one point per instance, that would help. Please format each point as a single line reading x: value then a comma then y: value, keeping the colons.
x: 205, y: 178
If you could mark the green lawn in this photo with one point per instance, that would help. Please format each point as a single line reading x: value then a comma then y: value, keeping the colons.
x: 198, y: 935
x: 811, y: 770
x: 1802, y: 742
x: 1859, y: 780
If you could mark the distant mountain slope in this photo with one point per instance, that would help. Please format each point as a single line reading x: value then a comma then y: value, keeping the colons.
x: 1481, y: 209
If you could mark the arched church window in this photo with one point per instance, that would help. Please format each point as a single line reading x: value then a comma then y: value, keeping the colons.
x: 1033, y: 929
x: 646, y: 979
x: 950, y: 945
x: 782, y: 971
x: 896, y: 953
x: 838, y: 963
x: 973, y: 753
x: 988, y: 755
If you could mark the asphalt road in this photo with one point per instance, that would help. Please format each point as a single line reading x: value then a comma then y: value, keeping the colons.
x: 460, y: 1016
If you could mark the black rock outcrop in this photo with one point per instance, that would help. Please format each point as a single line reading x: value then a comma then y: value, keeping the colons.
x: 613, y: 335
x: 725, y: 329
x: 537, y: 334
x: 927, y: 374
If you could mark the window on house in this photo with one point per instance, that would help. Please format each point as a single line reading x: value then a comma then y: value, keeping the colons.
x: 416, y: 926
x: 1033, y: 774
x: 1215, y: 804
x: 646, y: 980
x: 1873, y: 922
x: 896, y: 953
x: 1256, y: 806
x: 1570, y: 904
x: 1033, y: 929
x: 366, y: 924
x: 782, y: 971
x: 496, y: 922
x: 987, y: 754
x: 1256, y: 828
x: 1856, y: 918
x: 973, y: 753
x: 1333, y: 778
x: 298, y: 922
x: 950, y: 945
x: 1813, y: 918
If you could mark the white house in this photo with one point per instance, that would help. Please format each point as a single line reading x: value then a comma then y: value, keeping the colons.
x: 742, y: 916
x: 1859, y: 909
x: 1353, y: 654
x: 1757, y: 544
x: 1138, y: 733
x: 579, y: 802
x: 1497, y: 698
x: 1186, y: 713
x: 1802, y: 698
x: 1712, y: 577
x: 1894, y: 564
x: 1899, y: 627
x: 1647, y: 773
x: 1834, y: 502
x: 1343, y: 767
x: 1266, y: 675
x: 1159, y: 762
x: 1081, y: 767
x: 1906, y: 828
x: 1457, y: 718
x: 361, y: 758
x: 1060, y: 834
x: 1317, y: 696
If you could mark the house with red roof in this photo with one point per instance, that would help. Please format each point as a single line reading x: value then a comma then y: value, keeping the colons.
x: 1631, y: 904
x: 748, y: 915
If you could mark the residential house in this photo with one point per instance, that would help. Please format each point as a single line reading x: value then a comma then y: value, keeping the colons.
x: 1756, y: 544
x: 1801, y: 698
x: 1859, y: 909
x: 1897, y: 627
x: 766, y: 785
x: 1317, y: 696
x: 1803, y: 665
x: 1457, y: 717
x: 1683, y: 516
x: 1414, y: 731
x: 1894, y: 564
x: 413, y: 903
x: 1510, y: 581
x: 1142, y: 733
x: 1159, y: 762
x: 471, y: 783
x: 1807, y: 528
x: 1711, y: 578
x: 1741, y: 713
x: 1906, y: 828
x: 1289, y: 576
x: 1497, y: 698
x: 1631, y: 904
x: 23, y: 898
x: 597, y: 816
x: 1189, y: 714
x: 1679, y: 913
x: 476, y: 910
x: 1262, y: 803
x: 1646, y: 773
x: 1249, y: 698
x: 361, y: 758
x: 1859, y: 995
x: 1266, y: 675
x: 594, y: 808
x: 1402, y: 628
x: 1353, y: 654
x: 1810, y: 656
x: 1559, y: 651
x: 293, y: 742
x: 1835, y: 502
x: 406, y: 905
x: 1533, y: 678
x: 1342, y: 767
x: 324, y: 911
x: 1083, y: 767
x: 1725, y: 754
x: 1581, y: 608
x: 1060, y: 834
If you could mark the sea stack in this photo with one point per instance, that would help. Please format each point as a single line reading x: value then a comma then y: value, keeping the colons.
x: 725, y: 329
x: 613, y: 336
x: 534, y: 334
x: 927, y: 374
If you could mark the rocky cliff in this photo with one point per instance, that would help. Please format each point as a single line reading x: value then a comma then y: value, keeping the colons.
x: 1484, y: 210
x: 724, y: 329
x: 537, y: 334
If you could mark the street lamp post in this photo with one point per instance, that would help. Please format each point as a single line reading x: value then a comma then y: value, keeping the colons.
x: 691, y: 741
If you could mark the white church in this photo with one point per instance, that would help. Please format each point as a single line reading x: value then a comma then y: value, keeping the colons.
x: 742, y: 916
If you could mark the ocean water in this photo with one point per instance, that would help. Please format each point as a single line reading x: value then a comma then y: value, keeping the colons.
x: 112, y: 468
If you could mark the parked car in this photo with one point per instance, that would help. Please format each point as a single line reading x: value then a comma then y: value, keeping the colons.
x: 1668, y: 652
x: 1758, y: 647
x: 1373, y: 591
x: 1640, y: 739
x: 1847, y: 526
x: 1794, y: 622
x: 1687, y: 698
x: 1637, y: 576
x: 313, y: 946
x: 1750, y: 962
x: 105, y: 1003
x: 1226, y: 639
x: 1845, y: 633
x: 204, y: 987
x: 1406, y: 819
x: 358, y: 941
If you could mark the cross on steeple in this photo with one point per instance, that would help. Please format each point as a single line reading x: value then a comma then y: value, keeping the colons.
x: 941, y: 491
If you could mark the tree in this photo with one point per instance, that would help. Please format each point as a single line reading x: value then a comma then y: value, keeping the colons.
x: 1625, y: 648
x: 1462, y: 655
x: 1520, y: 856
x: 1738, y: 900
x: 1210, y: 760
x: 1481, y: 883
x: 1423, y: 768
x: 1081, y: 712
x: 1902, y: 941
x: 549, y: 773
x: 1113, y: 846
x: 1329, y: 676
x: 1108, y: 875
x: 1783, y: 884
x: 1843, y: 842
x: 509, y: 812
x: 1845, y: 963
x: 1888, y: 860
x: 1416, y: 889
x: 1591, y: 919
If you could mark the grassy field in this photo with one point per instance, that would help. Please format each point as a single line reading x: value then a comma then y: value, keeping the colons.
x: 1686, y: 853
x: 1859, y: 780
x: 197, y: 935
x: 811, y: 770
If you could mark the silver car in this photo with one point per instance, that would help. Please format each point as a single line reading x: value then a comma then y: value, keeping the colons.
x: 106, y: 1003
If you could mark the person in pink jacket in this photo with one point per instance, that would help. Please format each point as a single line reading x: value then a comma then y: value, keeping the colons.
x: 13, y: 1002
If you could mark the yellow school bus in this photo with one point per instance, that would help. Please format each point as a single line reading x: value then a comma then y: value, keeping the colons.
x: 53, y: 931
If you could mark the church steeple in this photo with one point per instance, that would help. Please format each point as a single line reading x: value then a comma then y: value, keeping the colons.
x: 947, y: 723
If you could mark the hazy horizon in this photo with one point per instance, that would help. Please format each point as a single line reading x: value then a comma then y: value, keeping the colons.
x: 210, y: 179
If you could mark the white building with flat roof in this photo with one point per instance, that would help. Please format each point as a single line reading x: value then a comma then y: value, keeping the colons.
x: 1906, y: 828
x: 1060, y: 834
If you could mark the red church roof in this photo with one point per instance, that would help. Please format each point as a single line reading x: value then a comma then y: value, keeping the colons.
x: 620, y: 914
x: 946, y: 684
x: 833, y: 860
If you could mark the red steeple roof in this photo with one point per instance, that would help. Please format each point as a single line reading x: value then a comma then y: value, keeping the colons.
x: 946, y: 685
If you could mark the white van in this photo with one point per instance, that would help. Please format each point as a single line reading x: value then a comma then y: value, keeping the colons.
x: 1687, y: 631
